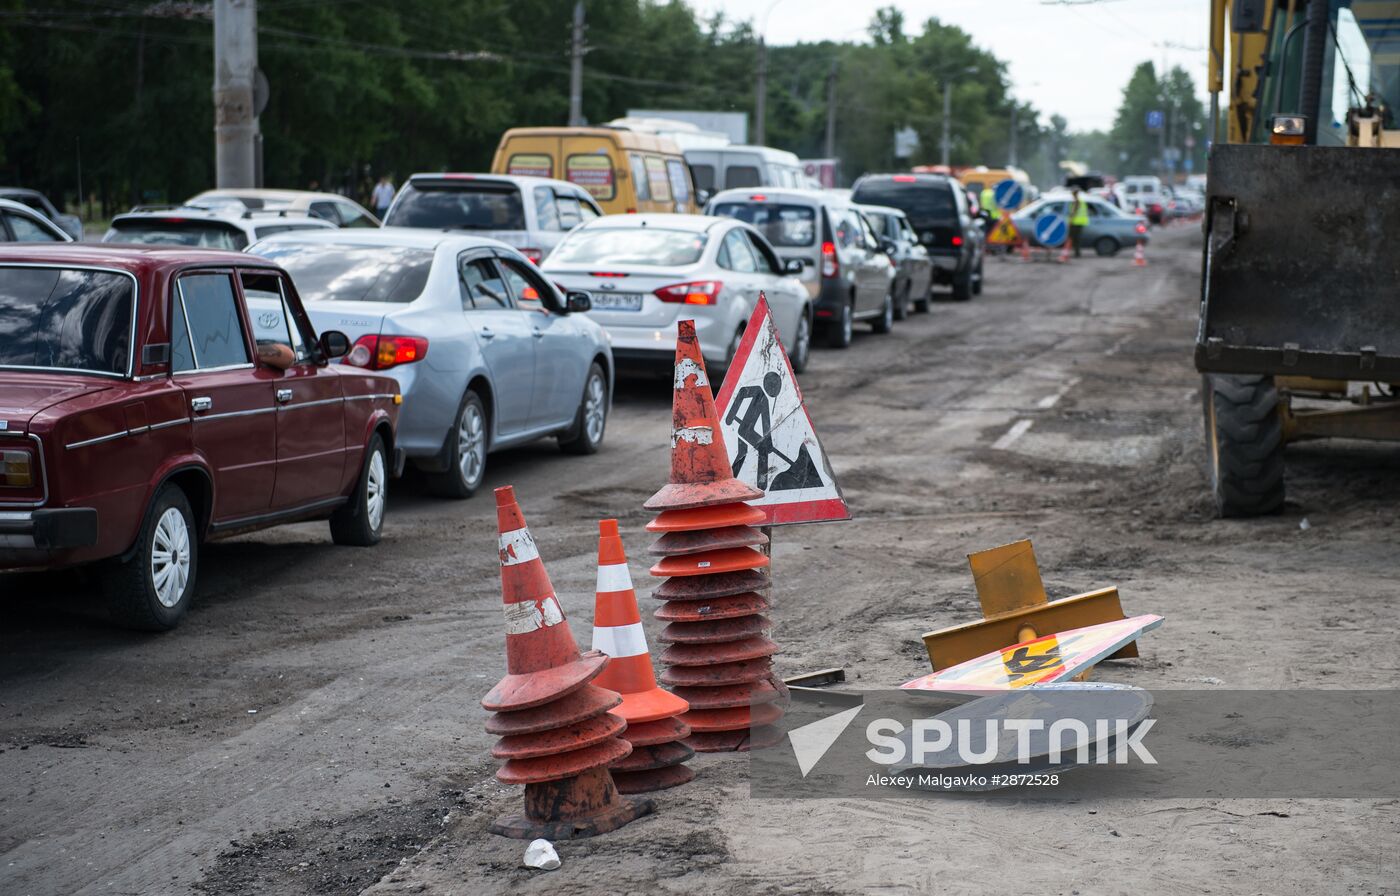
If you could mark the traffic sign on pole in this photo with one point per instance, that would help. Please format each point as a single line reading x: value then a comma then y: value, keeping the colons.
x: 1009, y: 195
x: 1155, y: 120
x: 768, y: 434
x: 1051, y: 230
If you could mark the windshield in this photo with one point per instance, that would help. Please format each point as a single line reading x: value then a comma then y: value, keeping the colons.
x: 458, y: 207
x: 642, y: 246
x: 923, y: 203
x: 176, y: 232
x: 325, y: 272
x: 783, y: 225
x: 65, y: 319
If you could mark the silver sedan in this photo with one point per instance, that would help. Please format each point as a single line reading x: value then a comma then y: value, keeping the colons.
x: 487, y: 352
x: 645, y: 272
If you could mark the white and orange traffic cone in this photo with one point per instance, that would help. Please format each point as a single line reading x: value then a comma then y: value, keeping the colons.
x: 653, y: 729
x: 1139, y: 259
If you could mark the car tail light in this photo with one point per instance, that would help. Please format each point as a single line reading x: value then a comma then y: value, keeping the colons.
x: 904, y: 178
x: 604, y: 274
x: 382, y: 352
x: 16, y: 469
x: 957, y: 240
x: 758, y: 197
x: 700, y: 292
x: 535, y: 255
x: 831, y: 266
x: 1141, y: 227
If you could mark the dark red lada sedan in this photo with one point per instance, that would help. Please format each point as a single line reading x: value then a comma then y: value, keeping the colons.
x: 154, y: 398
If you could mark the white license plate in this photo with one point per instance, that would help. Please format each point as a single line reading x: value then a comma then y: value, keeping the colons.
x: 617, y: 301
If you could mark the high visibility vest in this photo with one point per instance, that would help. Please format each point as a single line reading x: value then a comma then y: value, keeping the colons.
x: 988, y: 201
x: 1079, y: 212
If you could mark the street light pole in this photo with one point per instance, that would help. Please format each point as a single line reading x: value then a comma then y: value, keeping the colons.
x: 760, y: 99
x: 576, y: 51
x: 947, y: 114
x: 1011, y: 152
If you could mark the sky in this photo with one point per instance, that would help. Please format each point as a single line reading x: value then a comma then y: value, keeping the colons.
x: 1071, y: 57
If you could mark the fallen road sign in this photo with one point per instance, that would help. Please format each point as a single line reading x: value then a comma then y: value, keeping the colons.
x: 769, y: 435
x: 1049, y: 659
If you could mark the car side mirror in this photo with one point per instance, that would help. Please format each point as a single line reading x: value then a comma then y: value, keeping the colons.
x: 334, y: 344
x: 793, y: 266
x: 579, y: 302
x: 702, y: 197
x: 888, y: 247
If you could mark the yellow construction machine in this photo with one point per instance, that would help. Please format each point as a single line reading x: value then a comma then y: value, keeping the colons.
x: 1299, y: 334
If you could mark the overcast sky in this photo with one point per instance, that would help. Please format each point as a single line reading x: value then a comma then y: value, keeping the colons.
x: 1070, y: 58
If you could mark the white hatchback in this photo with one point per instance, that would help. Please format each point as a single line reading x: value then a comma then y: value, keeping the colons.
x: 643, y: 273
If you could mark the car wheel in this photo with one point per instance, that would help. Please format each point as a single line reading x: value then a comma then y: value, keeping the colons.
x: 359, y: 522
x: 922, y: 305
x: 151, y: 590
x: 838, y: 334
x: 901, y: 308
x: 977, y: 279
x: 1244, y: 443
x: 1106, y: 246
x: 802, y: 345
x: 962, y: 285
x: 885, y: 322
x: 591, y: 421
x: 466, y: 455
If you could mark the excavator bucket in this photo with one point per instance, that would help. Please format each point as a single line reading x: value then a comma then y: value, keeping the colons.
x: 1301, y: 275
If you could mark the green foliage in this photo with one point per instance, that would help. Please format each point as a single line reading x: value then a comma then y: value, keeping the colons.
x: 120, y: 92
x: 1137, y: 150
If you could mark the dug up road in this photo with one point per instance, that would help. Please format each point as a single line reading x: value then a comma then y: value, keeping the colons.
x: 314, y: 727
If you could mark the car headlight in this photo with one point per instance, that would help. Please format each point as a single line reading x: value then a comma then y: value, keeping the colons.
x: 16, y: 469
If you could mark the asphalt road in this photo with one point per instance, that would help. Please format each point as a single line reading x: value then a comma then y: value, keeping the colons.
x: 314, y: 727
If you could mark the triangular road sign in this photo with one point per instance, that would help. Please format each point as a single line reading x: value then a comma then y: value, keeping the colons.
x: 1005, y: 232
x: 769, y: 435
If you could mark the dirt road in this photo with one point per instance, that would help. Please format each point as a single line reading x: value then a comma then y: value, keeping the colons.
x: 314, y: 726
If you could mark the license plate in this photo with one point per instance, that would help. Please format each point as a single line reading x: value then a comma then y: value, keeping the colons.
x: 617, y: 301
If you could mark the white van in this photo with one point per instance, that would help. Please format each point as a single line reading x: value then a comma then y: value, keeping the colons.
x: 1140, y: 192
x: 744, y: 167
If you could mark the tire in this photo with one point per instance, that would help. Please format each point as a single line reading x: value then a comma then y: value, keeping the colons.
x: 1244, y: 444
x: 901, y: 308
x: 977, y: 280
x: 152, y: 590
x: 591, y: 419
x: 923, y: 305
x: 1106, y: 246
x: 885, y: 322
x: 838, y: 332
x: 802, y: 345
x: 962, y: 285
x: 359, y: 522
x: 718, y: 371
x: 466, y: 451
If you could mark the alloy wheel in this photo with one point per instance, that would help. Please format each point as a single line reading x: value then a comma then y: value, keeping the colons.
x: 170, y: 557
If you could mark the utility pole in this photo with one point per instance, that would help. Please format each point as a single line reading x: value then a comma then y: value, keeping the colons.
x: 947, y: 115
x: 1012, y: 152
x: 831, y: 111
x: 576, y: 52
x: 760, y: 99
x: 235, y: 117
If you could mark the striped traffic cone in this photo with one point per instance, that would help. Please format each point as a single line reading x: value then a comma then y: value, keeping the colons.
x: 658, y: 755
x: 718, y: 658
x: 557, y: 736
x: 1139, y: 258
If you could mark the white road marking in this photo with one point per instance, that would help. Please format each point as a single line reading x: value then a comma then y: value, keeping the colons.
x: 1009, y: 437
x: 1053, y: 399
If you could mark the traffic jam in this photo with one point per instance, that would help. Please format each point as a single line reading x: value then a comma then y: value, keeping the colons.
x: 698, y: 447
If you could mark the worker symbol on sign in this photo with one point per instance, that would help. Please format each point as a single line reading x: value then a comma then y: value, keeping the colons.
x: 751, y: 408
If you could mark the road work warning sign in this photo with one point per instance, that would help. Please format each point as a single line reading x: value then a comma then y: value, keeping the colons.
x: 1004, y: 233
x: 768, y: 434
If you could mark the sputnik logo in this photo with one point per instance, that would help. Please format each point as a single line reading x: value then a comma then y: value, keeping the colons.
x: 811, y: 741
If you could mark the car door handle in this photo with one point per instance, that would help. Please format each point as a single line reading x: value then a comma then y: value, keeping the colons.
x: 487, y: 333
x: 284, y: 395
x: 202, y: 403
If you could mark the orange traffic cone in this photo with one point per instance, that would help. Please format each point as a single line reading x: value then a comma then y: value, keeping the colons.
x: 1139, y: 259
x: 1025, y: 251
x: 658, y: 755
x: 718, y: 658
x: 700, y: 474
x: 557, y: 735
x: 1064, y: 253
